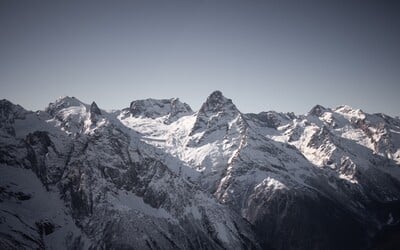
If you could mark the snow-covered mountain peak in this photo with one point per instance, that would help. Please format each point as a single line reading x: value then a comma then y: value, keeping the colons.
x: 74, y: 116
x: 63, y: 103
x: 218, y: 114
x: 216, y: 102
x: 154, y: 108
x: 350, y: 112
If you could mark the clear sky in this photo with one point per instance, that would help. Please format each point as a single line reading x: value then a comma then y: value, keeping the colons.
x: 265, y: 55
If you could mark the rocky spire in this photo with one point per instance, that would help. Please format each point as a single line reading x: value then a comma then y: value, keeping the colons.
x: 217, y: 113
x: 215, y: 102
x: 94, y: 109
x: 94, y: 112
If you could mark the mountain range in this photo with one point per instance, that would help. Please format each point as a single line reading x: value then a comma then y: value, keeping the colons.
x: 158, y: 175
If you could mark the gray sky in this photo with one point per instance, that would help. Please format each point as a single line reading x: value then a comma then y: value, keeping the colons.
x: 265, y: 55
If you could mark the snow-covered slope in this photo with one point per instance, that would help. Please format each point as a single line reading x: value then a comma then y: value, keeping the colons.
x: 158, y: 175
x: 114, y: 191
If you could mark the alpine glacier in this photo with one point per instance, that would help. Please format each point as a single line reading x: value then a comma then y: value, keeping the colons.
x: 157, y: 175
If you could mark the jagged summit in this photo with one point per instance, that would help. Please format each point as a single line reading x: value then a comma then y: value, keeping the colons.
x: 62, y: 103
x: 218, y: 113
x: 216, y: 102
x: 94, y: 109
x: 317, y: 110
x: 94, y: 112
x: 155, y: 108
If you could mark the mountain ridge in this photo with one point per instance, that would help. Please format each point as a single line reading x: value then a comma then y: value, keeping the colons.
x: 158, y: 174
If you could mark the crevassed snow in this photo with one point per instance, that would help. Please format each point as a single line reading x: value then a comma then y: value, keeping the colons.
x: 174, y: 137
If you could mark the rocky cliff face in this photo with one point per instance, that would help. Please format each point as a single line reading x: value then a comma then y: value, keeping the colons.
x: 158, y: 175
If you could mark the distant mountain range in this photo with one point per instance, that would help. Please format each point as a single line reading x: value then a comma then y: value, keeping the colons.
x: 158, y: 175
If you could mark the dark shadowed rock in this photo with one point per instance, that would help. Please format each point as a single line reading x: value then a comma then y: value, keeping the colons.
x: 94, y: 109
x: 317, y: 110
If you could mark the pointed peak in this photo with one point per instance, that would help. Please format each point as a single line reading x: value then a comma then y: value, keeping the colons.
x: 216, y: 101
x: 217, y: 113
x: 317, y: 110
x: 94, y: 109
x: 216, y: 94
